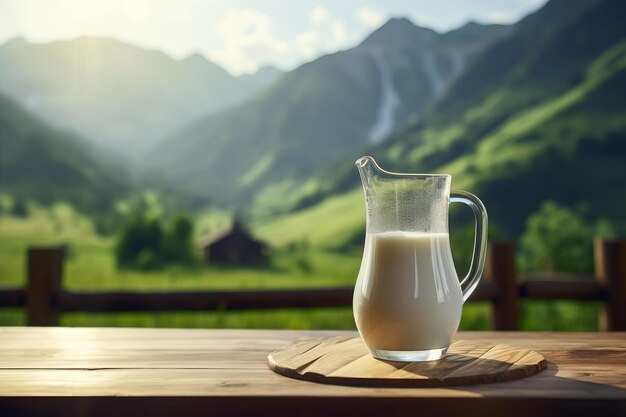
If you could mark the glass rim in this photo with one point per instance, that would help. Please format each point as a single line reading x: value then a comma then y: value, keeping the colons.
x: 365, y: 159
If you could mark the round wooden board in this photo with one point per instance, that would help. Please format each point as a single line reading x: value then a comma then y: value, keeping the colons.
x: 346, y: 361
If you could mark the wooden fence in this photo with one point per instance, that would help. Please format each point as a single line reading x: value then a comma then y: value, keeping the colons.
x: 45, y: 299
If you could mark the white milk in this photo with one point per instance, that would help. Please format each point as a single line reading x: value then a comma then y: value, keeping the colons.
x: 407, y: 296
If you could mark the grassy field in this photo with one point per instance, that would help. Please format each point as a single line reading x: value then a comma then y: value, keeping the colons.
x: 91, y: 267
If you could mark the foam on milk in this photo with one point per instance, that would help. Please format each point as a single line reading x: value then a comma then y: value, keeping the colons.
x: 407, y: 296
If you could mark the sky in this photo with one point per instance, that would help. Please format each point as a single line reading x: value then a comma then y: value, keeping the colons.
x: 242, y: 35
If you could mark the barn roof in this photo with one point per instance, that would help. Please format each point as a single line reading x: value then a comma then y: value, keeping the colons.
x: 237, y: 228
x: 211, y: 238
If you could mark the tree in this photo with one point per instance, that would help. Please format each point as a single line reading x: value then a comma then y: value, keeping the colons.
x: 139, y: 245
x: 177, y: 245
x: 20, y: 208
x: 145, y: 244
x: 557, y: 240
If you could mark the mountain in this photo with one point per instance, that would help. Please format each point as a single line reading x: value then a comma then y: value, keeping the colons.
x: 269, y: 149
x: 539, y: 115
x: 547, y: 124
x: 120, y: 96
x: 44, y: 164
x: 261, y: 79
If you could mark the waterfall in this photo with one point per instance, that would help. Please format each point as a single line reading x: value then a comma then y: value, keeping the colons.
x: 389, y: 102
x: 437, y: 82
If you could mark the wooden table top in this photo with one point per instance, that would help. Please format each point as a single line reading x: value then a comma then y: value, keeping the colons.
x: 118, y: 371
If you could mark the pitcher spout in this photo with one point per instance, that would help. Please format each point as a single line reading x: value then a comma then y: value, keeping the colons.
x: 368, y: 168
x: 366, y: 161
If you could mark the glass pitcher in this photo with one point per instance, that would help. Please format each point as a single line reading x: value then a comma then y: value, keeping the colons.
x: 408, y: 299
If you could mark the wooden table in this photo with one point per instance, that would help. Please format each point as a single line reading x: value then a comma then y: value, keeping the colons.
x: 177, y: 372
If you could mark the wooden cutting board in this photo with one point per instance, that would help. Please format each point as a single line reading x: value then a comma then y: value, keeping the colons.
x: 346, y: 361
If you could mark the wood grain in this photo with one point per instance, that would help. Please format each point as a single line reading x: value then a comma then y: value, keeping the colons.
x: 117, y: 371
x: 346, y: 361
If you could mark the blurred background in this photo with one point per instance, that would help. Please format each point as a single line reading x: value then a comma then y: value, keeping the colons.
x: 181, y: 145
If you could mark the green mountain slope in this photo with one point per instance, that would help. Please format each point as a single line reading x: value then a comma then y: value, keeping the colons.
x: 547, y: 115
x: 48, y: 165
x: 571, y: 149
x: 269, y: 150
x: 552, y: 127
x: 123, y: 97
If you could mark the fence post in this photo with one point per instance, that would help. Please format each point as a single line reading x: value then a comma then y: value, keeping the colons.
x: 610, y: 262
x: 45, y: 268
x: 501, y: 269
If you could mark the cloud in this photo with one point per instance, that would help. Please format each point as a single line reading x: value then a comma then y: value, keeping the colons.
x: 308, y: 43
x: 248, y: 39
x: 319, y: 14
x: 370, y: 17
x: 138, y: 11
x: 326, y: 38
x: 339, y: 36
x: 498, y: 16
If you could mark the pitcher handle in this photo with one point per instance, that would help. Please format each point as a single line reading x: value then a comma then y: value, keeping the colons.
x: 470, y: 282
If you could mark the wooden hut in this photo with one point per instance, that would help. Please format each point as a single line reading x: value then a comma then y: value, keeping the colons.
x: 234, y: 246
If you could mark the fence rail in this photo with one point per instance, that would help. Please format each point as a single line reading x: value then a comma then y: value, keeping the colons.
x: 45, y: 299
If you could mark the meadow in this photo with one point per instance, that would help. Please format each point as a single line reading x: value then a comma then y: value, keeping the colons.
x: 90, y: 266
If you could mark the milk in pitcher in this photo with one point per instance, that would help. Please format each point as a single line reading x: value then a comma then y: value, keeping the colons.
x: 407, y: 296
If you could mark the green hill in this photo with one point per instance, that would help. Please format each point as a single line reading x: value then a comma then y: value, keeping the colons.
x: 556, y: 112
x: 269, y: 150
x: 46, y: 165
x: 548, y: 125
